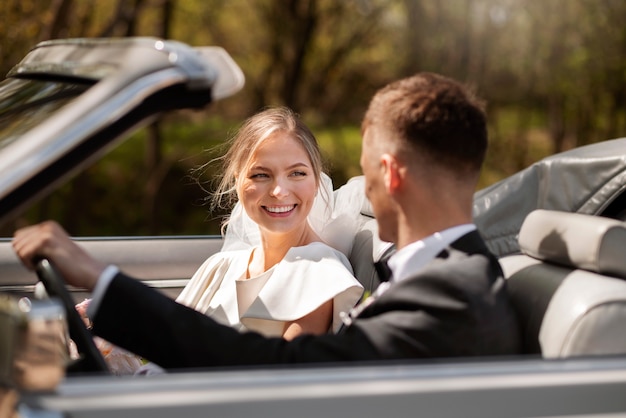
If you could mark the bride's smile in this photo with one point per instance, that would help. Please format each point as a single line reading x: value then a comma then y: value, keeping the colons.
x: 280, y: 210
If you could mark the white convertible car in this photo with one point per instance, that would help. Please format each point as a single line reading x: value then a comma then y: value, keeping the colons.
x: 556, y: 226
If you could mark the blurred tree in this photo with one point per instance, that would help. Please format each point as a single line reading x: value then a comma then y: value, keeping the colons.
x: 125, y: 19
x: 300, y: 53
x: 24, y: 23
x: 60, y: 23
x: 156, y: 166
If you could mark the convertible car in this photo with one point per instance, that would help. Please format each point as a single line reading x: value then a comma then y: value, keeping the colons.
x: 557, y: 226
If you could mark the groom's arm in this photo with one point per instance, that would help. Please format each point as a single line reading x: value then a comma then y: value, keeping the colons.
x: 172, y: 335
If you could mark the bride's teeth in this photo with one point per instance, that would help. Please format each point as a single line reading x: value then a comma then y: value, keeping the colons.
x: 281, y: 209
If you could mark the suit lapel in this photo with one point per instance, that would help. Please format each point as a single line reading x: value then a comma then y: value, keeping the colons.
x: 470, y: 243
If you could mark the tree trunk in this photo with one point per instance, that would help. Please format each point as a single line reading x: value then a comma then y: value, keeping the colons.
x: 59, y: 26
x: 124, y: 22
x: 154, y: 145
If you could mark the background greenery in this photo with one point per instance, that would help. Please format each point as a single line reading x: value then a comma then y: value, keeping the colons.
x: 552, y: 72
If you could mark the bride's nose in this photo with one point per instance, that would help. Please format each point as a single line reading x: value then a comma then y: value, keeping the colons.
x: 278, y: 189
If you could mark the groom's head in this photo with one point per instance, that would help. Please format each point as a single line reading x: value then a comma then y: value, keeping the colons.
x: 428, y: 130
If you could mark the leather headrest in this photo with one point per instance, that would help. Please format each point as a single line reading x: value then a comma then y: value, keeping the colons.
x: 586, y: 242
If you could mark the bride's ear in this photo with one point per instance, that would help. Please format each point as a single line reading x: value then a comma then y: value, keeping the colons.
x: 237, y: 184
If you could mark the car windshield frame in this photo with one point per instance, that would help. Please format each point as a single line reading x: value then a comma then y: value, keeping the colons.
x: 97, y: 91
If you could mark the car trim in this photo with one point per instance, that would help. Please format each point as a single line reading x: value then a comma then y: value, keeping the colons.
x: 486, y: 388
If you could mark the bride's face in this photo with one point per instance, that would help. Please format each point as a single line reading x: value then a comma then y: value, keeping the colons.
x: 279, y: 185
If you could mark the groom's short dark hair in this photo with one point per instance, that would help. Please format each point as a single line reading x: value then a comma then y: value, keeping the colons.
x: 433, y: 115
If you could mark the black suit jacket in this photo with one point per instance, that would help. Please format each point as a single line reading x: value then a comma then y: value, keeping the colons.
x: 456, y: 306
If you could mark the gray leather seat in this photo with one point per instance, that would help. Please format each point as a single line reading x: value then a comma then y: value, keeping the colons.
x: 568, y: 285
x: 366, y: 247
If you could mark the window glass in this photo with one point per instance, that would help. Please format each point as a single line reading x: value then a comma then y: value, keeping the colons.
x: 25, y: 104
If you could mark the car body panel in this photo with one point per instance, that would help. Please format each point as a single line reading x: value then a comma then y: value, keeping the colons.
x: 473, y: 389
x: 165, y: 263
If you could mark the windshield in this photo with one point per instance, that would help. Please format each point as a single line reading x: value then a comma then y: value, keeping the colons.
x: 27, y: 103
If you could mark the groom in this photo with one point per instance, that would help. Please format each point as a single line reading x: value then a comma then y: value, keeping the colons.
x: 424, y: 140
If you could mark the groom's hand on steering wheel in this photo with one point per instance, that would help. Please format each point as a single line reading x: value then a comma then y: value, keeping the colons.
x: 50, y: 241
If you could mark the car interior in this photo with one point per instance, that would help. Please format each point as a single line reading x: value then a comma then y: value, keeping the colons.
x: 568, y: 284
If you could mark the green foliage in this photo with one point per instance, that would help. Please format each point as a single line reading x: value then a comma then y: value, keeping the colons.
x: 341, y: 148
x: 552, y: 73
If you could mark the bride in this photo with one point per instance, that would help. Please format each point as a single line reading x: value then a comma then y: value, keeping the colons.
x: 289, y: 282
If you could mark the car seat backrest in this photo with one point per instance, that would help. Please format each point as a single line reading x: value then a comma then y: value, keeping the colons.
x: 568, y: 285
x: 367, y: 248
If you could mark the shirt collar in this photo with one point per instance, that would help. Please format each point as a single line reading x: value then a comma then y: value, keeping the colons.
x: 412, y: 258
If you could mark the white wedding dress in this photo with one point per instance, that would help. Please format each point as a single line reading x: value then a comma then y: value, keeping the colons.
x: 307, y: 277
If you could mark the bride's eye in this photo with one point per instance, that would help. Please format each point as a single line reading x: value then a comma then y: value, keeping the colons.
x: 258, y: 176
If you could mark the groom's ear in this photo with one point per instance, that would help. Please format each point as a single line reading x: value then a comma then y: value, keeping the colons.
x: 391, y: 173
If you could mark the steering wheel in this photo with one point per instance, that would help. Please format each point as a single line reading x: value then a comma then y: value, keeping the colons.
x: 91, y: 359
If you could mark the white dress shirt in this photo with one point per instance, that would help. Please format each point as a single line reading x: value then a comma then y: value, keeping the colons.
x: 409, y: 260
x: 100, y: 289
